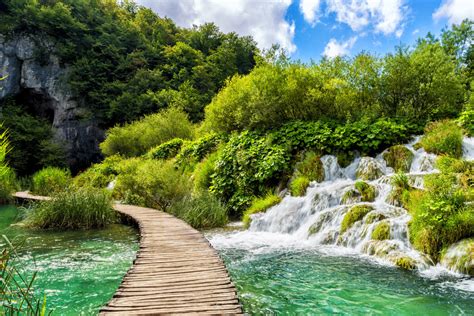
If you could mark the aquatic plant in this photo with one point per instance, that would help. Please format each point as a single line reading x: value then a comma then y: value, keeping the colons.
x: 50, y: 180
x: 75, y: 208
x: 201, y: 211
x: 259, y: 205
x: 355, y: 214
x: 443, y: 138
x: 399, y: 158
x: 299, y: 185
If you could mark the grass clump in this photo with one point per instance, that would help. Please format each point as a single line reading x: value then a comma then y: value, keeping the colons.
x: 259, y: 205
x: 443, y: 138
x: 50, y: 180
x: 381, y: 231
x: 8, y: 182
x: 78, y: 208
x: 299, y: 185
x: 399, y: 158
x: 356, y: 213
x: 367, y: 191
x: 166, y: 150
x: 201, y: 211
x: 400, y: 193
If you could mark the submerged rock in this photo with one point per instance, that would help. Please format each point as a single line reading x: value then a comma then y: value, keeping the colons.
x: 459, y: 257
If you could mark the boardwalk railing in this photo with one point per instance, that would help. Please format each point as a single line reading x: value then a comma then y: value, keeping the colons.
x: 176, y: 270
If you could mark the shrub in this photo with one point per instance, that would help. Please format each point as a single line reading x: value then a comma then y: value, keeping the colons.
x: 50, y: 180
x: 310, y: 167
x: 246, y: 167
x: 203, y: 173
x: 443, y: 138
x: 367, y: 191
x: 399, y: 158
x: 201, y: 211
x: 259, y: 205
x: 440, y: 216
x: 77, y: 208
x: 381, y: 231
x: 137, y: 138
x: 195, y: 151
x: 153, y: 183
x: 299, y: 185
x: 356, y: 213
x: 99, y: 175
x: 166, y: 150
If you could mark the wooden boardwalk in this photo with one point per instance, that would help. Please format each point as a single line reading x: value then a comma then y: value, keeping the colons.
x: 176, y: 270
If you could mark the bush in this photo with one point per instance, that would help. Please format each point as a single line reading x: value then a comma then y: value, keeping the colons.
x: 50, y: 180
x: 310, y: 167
x: 246, y: 167
x: 99, y: 175
x: 166, y: 150
x: 440, y: 216
x: 195, y: 151
x: 399, y: 158
x: 381, y: 231
x: 201, y: 211
x: 355, y: 214
x: 443, y: 138
x: 259, y: 205
x: 77, y: 208
x: 152, y: 183
x: 137, y: 138
x: 299, y: 185
x: 203, y: 173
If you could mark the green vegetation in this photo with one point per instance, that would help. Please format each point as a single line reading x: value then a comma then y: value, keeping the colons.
x: 299, y: 185
x: 137, y: 138
x: 99, y: 175
x: 166, y: 150
x: 355, y: 214
x: 381, y: 231
x: 50, y: 180
x: 203, y: 173
x: 366, y: 191
x: 8, y: 183
x: 195, y: 151
x: 443, y: 138
x: 460, y: 256
x: 400, y: 194
x: 201, y: 211
x: 310, y: 167
x: 443, y: 213
x: 406, y: 263
x: 259, y: 205
x: 399, y: 158
x: 77, y: 208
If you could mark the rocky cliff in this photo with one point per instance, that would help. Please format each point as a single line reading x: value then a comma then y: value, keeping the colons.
x: 43, y: 87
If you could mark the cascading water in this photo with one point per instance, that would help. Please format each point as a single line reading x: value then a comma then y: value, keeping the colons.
x: 315, y: 219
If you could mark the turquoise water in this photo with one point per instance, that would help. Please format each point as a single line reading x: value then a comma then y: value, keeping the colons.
x: 310, y: 282
x: 78, y: 271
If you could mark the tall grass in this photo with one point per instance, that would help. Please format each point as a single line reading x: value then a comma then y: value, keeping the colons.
x: 50, y: 180
x: 8, y: 183
x: 17, y: 295
x: 81, y: 208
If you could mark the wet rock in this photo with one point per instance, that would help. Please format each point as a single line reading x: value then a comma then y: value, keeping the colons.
x: 369, y: 169
x: 399, y: 158
x: 459, y: 257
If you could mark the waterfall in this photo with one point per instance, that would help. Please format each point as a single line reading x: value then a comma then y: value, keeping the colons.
x: 315, y: 219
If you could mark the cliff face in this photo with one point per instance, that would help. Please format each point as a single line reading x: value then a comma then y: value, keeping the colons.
x: 42, y: 86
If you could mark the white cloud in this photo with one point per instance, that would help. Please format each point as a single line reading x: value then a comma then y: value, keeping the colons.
x: 310, y: 10
x: 386, y: 16
x: 335, y: 48
x: 263, y: 20
x: 455, y: 11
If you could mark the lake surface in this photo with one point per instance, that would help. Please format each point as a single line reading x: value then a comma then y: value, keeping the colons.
x: 79, y: 271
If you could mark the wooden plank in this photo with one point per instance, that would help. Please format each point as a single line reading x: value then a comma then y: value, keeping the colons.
x: 176, y: 270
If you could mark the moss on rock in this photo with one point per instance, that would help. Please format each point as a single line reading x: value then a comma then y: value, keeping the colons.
x: 459, y: 257
x: 356, y: 213
x: 381, y: 231
x: 367, y: 191
x: 443, y: 138
x: 406, y: 263
x: 310, y: 167
x: 369, y: 169
x: 399, y: 158
x: 259, y: 205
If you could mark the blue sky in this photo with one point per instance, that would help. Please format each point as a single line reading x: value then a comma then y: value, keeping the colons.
x: 310, y: 29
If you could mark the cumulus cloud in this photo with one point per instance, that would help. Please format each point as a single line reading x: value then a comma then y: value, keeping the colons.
x: 386, y: 16
x: 310, y: 10
x: 455, y: 11
x: 335, y: 48
x: 263, y: 20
